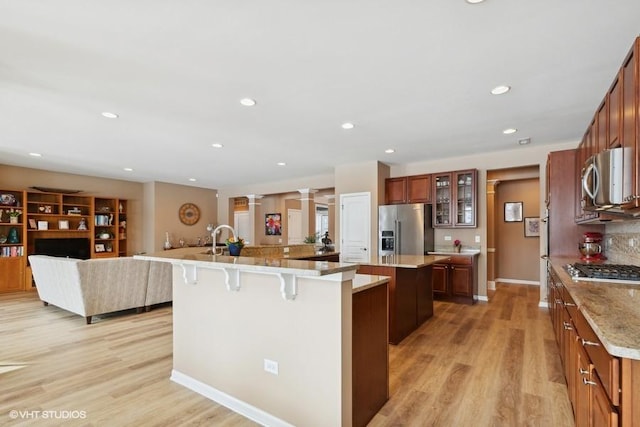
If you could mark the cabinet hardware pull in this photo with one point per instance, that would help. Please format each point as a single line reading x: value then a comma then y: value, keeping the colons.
x: 585, y: 342
x: 587, y: 382
x: 559, y: 301
x: 569, y: 304
x: 567, y: 326
x: 583, y: 371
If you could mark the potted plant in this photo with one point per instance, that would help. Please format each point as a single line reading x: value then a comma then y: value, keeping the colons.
x: 13, y: 216
x: 234, y: 245
x: 311, y: 238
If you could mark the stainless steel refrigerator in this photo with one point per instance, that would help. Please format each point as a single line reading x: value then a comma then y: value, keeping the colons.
x: 405, y: 229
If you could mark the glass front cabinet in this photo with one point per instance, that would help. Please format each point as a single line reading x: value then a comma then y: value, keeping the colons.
x: 455, y: 199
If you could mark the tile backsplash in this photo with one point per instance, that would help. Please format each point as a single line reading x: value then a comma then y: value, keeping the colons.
x: 622, y: 242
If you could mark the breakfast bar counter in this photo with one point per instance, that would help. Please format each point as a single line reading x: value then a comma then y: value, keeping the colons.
x: 283, y: 342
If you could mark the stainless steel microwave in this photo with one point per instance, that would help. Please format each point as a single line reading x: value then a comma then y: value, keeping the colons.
x: 603, y: 180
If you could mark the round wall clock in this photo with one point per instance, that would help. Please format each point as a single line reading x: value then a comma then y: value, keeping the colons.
x: 189, y: 214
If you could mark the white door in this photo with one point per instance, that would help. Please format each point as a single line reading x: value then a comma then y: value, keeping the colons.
x: 355, y: 227
x: 294, y: 230
x: 241, y: 223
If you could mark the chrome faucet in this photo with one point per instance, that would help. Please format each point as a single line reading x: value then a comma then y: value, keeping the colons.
x: 215, y: 232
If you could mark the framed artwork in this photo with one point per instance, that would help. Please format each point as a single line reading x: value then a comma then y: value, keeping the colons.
x: 513, y: 212
x: 272, y: 224
x: 63, y: 224
x: 532, y: 227
x: 32, y: 223
x: 43, y: 225
x: 100, y: 247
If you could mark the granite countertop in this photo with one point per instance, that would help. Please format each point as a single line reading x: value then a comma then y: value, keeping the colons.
x: 611, y: 309
x: 463, y: 252
x: 272, y: 265
x: 362, y: 282
x: 404, y: 261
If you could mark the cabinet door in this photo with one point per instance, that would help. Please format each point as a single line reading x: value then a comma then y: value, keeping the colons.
x: 464, y: 184
x: 419, y: 189
x: 440, y: 278
x: 461, y: 281
x: 12, y: 274
x: 442, y: 195
x: 602, y: 413
x: 615, y: 107
x: 395, y: 190
x: 630, y: 118
x: 582, y: 391
x: 602, y: 139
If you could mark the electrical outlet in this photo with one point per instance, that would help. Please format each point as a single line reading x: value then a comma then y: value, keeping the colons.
x: 285, y: 250
x: 447, y: 238
x: 279, y: 240
x: 271, y: 366
x: 631, y: 243
x: 477, y: 239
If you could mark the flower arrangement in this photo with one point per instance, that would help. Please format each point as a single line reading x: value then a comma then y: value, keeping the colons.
x: 457, y: 244
x: 14, y: 213
x: 235, y: 242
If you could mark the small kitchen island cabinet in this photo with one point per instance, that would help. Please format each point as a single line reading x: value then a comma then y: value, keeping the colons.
x: 410, y: 291
x: 456, y: 279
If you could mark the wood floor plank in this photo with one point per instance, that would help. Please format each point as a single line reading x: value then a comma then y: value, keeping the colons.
x: 493, y: 363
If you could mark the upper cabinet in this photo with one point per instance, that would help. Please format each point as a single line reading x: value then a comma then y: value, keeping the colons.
x: 408, y: 189
x: 455, y: 199
x: 629, y: 139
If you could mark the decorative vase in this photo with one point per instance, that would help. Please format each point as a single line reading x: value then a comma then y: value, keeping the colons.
x: 13, y: 236
x: 457, y: 249
x: 13, y: 219
x: 234, y: 250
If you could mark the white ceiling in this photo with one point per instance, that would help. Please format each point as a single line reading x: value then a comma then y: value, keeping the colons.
x: 412, y: 75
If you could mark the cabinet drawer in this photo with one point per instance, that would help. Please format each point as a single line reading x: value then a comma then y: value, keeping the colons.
x: 461, y: 260
x: 606, y: 366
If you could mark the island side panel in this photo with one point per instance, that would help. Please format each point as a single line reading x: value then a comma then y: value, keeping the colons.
x: 222, y: 337
x: 370, y: 353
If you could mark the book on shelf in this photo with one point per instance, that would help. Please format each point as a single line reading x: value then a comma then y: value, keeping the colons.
x: 12, y: 251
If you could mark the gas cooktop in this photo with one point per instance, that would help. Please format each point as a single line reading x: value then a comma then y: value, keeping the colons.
x: 618, y: 273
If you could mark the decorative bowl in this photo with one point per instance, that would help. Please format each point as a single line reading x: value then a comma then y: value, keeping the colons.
x: 3, y: 239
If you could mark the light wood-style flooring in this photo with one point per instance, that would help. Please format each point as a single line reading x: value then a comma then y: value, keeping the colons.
x: 490, y: 364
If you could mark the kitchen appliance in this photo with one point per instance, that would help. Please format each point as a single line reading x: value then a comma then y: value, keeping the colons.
x: 405, y: 229
x: 591, y: 247
x: 603, y: 180
x: 615, y: 273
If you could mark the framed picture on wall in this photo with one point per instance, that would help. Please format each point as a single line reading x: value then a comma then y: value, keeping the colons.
x: 272, y: 224
x: 513, y: 212
x: 532, y: 227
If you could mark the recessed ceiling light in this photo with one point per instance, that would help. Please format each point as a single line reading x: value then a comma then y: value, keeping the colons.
x: 524, y: 141
x: 248, y: 102
x: 499, y: 90
x: 389, y: 150
x: 109, y: 115
x: 509, y: 131
x: 474, y: 1
x: 35, y: 154
x: 281, y: 164
x: 128, y: 169
x: 216, y: 145
x: 192, y: 179
x: 348, y: 125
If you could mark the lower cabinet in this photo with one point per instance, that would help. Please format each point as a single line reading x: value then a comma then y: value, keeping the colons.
x: 410, y: 297
x: 456, y: 279
x: 597, y: 381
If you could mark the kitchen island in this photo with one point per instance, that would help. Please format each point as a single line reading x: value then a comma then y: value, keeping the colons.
x: 410, y: 289
x: 277, y: 339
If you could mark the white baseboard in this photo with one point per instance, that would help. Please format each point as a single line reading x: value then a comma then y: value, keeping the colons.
x: 491, y: 285
x: 481, y: 298
x: 519, y: 282
x: 255, y: 414
x: 543, y: 304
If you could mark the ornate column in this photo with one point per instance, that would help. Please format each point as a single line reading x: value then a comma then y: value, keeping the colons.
x: 307, y: 205
x: 255, y: 218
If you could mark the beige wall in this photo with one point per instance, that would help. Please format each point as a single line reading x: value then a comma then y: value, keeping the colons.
x: 152, y: 208
x: 221, y: 339
x: 517, y: 257
x: 17, y: 178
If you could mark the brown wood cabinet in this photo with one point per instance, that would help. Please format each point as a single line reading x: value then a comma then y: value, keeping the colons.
x: 456, y: 279
x: 12, y: 253
x: 410, y: 297
x: 370, y: 353
x: 408, y: 189
x: 630, y: 122
x: 454, y: 199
